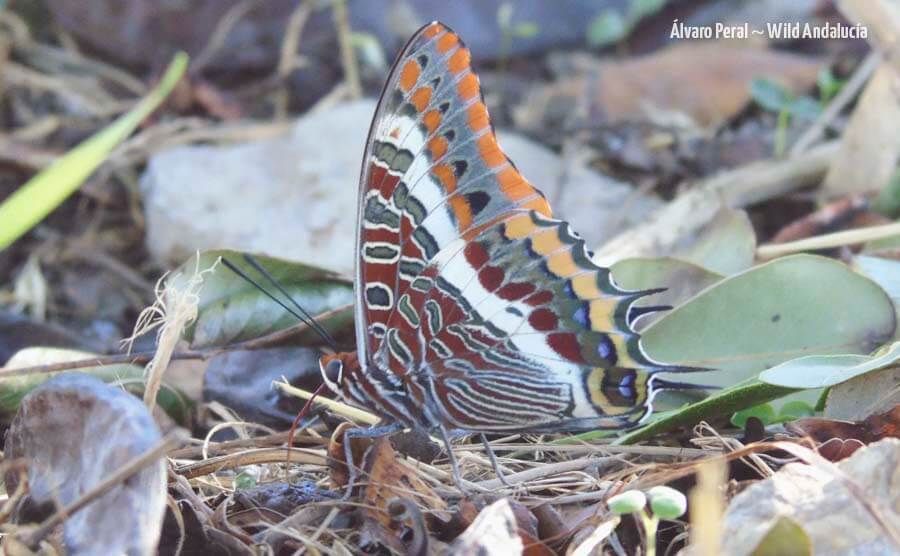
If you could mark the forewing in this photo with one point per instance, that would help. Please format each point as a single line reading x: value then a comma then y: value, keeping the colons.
x: 432, y: 173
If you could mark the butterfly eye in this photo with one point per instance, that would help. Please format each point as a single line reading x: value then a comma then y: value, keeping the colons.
x: 332, y: 371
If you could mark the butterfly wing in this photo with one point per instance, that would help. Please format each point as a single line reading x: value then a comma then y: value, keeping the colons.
x: 430, y: 174
x: 471, y: 295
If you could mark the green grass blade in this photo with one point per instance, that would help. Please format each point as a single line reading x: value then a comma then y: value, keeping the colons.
x: 50, y: 187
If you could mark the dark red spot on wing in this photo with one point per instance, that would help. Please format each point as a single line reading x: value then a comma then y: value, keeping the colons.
x: 476, y: 255
x: 566, y: 345
x: 540, y: 298
x: 515, y: 291
x: 380, y: 179
x: 490, y: 277
x: 543, y: 320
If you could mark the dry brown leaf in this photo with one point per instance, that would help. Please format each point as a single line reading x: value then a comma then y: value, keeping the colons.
x: 840, y: 439
x: 845, y: 508
x: 670, y: 87
x: 383, y: 479
x: 870, y: 146
x: 493, y: 533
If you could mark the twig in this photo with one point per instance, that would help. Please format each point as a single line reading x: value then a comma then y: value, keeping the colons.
x: 221, y: 448
x: 139, y: 358
x: 35, y: 536
x: 838, y: 103
x: 338, y: 407
x: 827, y: 241
x: 289, y: 59
x: 689, y: 212
x: 348, y: 55
x: 252, y: 457
x: 223, y: 28
x: 544, y: 471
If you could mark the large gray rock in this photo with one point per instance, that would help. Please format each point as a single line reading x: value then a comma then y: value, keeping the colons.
x: 295, y: 196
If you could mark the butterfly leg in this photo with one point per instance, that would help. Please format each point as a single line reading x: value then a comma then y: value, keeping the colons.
x: 493, y: 458
x: 454, y: 464
x: 359, y: 432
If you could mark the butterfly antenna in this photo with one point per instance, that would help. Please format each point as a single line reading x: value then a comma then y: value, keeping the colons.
x: 311, y: 320
x: 298, y: 312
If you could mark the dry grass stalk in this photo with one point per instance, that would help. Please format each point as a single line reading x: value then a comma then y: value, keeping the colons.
x: 172, y: 312
x: 707, y: 507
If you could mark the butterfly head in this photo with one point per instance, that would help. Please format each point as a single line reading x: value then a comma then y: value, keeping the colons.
x: 335, y: 368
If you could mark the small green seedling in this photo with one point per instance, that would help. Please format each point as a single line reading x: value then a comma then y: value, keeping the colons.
x: 665, y: 503
x: 773, y: 97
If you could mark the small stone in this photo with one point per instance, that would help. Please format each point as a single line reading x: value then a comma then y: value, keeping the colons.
x: 295, y: 196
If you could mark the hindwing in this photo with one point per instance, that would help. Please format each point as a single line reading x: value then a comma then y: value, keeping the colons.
x: 470, y: 294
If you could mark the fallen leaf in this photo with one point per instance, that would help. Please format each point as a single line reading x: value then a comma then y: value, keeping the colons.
x: 863, y: 396
x: 230, y: 309
x: 727, y: 245
x: 785, y: 538
x: 848, y: 508
x: 839, y: 439
x: 870, y: 145
x: 493, y: 533
x: 131, y: 377
x: 589, y: 543
x: 832, y: 217
x: 73, y: 432
x: 670, y: 87
x: 383, y: 478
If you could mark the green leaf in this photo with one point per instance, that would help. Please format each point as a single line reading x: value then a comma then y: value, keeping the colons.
x: 794, y: 410
x: 769, y: 95
x: 828, y: 84
x: 804, y: 108
x: 682, y: 279
x: 764, y: 412
x: 130, y: 377
x: 726, y: 246
x: 666, y: 502
x: 820, y: 371
x: 230, y: 309
x: 607, y: 28
x: 725, y: 402
x: 628, y: 502
x: 50, y: 187
x: 785, y: 538
x: 787, y: 308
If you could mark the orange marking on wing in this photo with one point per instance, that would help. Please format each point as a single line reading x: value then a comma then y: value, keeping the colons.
x: 539, y: 204
x: 517, y: 188
x: 409, y: 75
x: 444, y: 174
x: 431, y: 119
x: 433, y: 30
x: 446, y: 42
x: 421, y: 98
x: 438, y: 147
x: 468, y: 86
x: 478, y: 117
x: 459, y: 60
x: 490, y: 151
x: 462, y: 210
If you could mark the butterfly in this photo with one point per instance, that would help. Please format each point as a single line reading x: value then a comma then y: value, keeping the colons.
x: 477, y: 310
